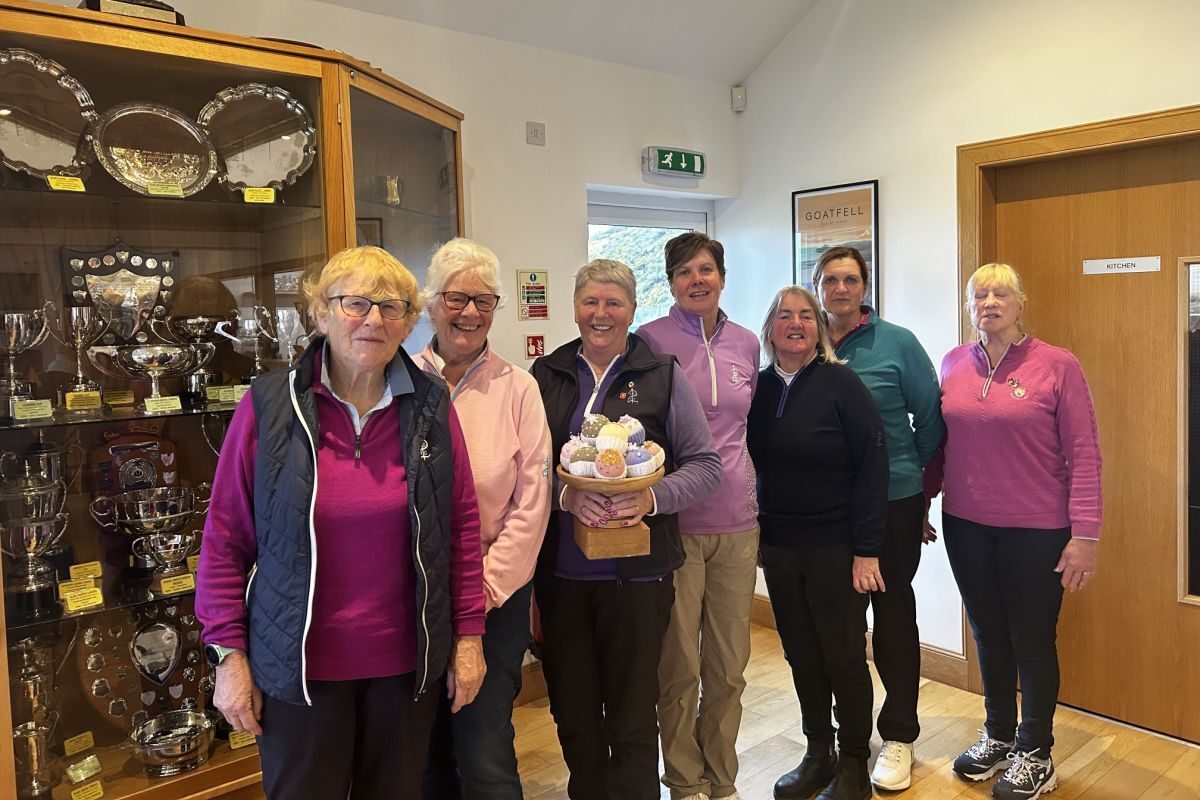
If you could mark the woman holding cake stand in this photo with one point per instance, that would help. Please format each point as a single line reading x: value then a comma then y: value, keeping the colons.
x: 603, y: 620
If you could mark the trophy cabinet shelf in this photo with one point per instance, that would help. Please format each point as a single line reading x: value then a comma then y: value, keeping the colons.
x: 386, y: 171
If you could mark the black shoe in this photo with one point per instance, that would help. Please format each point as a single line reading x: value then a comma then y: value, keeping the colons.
x: 850, y: 782
x: 984, y: 758
x: 816, y: 770
x: 1028, y: 777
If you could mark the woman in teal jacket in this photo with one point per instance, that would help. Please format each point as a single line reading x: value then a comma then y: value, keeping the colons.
x: 894, y: 366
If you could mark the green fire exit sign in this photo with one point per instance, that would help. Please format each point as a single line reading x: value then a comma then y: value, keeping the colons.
x: 670, y: 161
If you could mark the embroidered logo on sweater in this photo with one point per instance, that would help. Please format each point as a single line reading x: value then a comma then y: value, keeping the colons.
x: 424, y: 449
x: 629, y: 395
x: 1018, y: 390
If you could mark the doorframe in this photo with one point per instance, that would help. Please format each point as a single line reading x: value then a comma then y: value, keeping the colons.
x: 1181, y: 401
x: 977, y: 165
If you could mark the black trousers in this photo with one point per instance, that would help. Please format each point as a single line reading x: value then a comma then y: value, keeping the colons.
x: 600, y: 659
x: 1012, y: 595
x: 822, y: 624
x: 363, y: 740
x: 894, y: 637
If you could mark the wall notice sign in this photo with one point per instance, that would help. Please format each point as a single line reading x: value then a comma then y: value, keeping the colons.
x: 1117, y: 266
x: 532, y: 294
x: 535, y: 346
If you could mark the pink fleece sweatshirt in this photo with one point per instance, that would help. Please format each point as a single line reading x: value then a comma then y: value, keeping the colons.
x: 504, y: 423
x: 364, y: 613
x: 1021, y: 448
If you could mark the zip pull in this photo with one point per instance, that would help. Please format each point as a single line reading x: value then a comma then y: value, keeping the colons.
x: 357, y: 447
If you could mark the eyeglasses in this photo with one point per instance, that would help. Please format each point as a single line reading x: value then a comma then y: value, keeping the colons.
x: 355, y: 306
x: 458, y: 301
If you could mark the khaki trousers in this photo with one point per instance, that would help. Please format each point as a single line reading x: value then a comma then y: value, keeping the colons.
x: 707, y: 645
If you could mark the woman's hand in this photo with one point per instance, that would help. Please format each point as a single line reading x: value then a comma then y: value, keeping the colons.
x: 928, y: 532
x: 236, y: 695
x: 466, y: 672
x: 867, y: 577
x: 1078, y: 563
x: 630, y: 507
x: 589, y: 508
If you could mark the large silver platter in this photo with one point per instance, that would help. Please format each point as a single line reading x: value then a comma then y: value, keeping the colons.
x: 147, y: 143
x: 43, y: 115
x: 264, y: 136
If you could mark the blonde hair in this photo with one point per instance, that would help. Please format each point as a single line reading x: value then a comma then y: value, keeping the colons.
x: 824, y: 344
x: 605, y: 270
x: 376, y: 272
x: 997, y: 275
x: 461, y: 257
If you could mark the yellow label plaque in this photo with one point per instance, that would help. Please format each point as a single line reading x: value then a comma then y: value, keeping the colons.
x: 83, y: 401
x: 179, y: 583
x: 32, y: 409
x: 259, y: 194
x: 62, y: 183
x: 119, y: 397
x: 83, y: 598
x: 157, y: 405
x: 91, y: 569
x: 238, y: 739
x: 93, y: 791
x: 77, y: 585
x: 239, y: 392
x: 227, y: 394
x: 77, y: 744
x: 193, y: 563
x: 164, y: 189
x: 213, y: 393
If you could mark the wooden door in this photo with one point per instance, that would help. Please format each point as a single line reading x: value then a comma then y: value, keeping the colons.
x: 1130, y: 644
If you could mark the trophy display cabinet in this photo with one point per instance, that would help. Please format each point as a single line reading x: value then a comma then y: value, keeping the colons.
x: 164, y: 191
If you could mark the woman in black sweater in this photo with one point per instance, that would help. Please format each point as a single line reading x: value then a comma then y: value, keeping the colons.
x: 818, y: 446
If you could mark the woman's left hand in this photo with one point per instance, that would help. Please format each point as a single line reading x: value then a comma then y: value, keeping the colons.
x: 630, y: 507
x: 466, y: 672
x: 1078, y: 563
x: 867, y: 577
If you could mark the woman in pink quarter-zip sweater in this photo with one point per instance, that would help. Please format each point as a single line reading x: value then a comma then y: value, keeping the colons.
x: 500, y: 408
x: 1021, y: 517
x: 715, y: 586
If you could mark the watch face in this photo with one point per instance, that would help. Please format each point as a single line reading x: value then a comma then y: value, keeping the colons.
x: 212, y: 655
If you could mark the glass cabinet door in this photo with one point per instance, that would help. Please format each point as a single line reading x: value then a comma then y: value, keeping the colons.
x: 405, y: 176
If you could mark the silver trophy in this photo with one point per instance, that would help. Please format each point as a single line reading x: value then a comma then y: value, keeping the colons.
x: 20, y: 331
x: 82, y: 327
x: 32, y: 495
x: 214, y: 427
x: 165, y: 509
x: 197, y: 330
x: 30, y: 586
x: 31, y: 742
x: 250, y: 332
x: 152, y: 362
x: 168, y: 552
x: 43, y: 458
x: 174, y: 742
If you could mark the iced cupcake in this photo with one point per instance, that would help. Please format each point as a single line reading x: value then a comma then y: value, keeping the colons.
x: 634, y: 429
x: 592, y: 424
x: 610, y: 464
x: 583, y: 462
x: 656, y: 453
x: 568, y: 450
x: 612, y: 437
x: 638, y: 462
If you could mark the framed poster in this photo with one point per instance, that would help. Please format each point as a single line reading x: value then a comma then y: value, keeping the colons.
x: 836, y: 216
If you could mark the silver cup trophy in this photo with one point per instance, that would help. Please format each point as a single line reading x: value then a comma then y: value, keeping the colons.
x: 250, y: 333
x: 152, y: 362
x: 82, y: 327
x: 199, y: 331
x: 20, y: 331
x: 31, y: 583
x: 31, y: 743
x: 168, y: 552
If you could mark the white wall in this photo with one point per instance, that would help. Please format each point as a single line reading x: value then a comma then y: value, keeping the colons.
x: 527, y: 203
x: 865, y: 89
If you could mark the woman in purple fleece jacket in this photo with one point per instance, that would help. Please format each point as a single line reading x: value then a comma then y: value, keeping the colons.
x: 1021, y: 514
x: 714, y: 587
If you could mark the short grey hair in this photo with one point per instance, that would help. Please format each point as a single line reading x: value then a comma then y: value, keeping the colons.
x: 605, y: 270
x: 825, y: 349
x: 461, y: 257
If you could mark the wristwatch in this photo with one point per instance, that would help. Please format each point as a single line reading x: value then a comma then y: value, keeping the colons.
x: 215, y: 654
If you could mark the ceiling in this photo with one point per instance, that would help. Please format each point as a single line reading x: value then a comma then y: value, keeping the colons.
x: 712, y: 40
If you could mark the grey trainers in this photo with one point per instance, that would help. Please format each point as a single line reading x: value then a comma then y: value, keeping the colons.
x: 984, y: 758
x: 1027, y: 778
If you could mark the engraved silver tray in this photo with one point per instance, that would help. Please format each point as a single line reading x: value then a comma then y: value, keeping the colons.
x: 43, y: 115
x: 263, y: 135
x: 142, y: 144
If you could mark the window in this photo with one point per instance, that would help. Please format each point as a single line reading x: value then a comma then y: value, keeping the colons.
x: 636, y: 236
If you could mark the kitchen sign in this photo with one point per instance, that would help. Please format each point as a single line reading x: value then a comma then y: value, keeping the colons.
x: 1120, y: 266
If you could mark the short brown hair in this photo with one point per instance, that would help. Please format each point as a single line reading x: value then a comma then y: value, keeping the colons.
x: 686, y: 246
x: 835, y: 253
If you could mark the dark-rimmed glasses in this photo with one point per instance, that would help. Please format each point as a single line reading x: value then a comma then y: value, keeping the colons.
x: 355, y: 306
x: 458, y: 300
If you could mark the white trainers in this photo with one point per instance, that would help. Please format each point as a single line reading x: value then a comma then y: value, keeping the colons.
x: 893, y: 769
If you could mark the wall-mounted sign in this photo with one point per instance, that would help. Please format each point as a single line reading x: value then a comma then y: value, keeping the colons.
x: 535, y: 346
x: 532, y: 294
x: 672, y: 161
x: 1118, y: 266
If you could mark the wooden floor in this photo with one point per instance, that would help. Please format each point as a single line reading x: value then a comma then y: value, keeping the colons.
x: 1096, y: 759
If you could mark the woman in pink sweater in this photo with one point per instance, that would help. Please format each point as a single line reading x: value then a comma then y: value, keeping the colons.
x: 500, y: 408
x: 1021, y: 515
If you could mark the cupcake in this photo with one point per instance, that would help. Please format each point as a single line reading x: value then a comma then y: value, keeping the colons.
x: 583, y: 461
x: 638, y: 462
x: 592, y: 424
x: 612, y: 437
x: 637, y: 434
x: 656, y: 453
x: 610, y: 464
x: 568, y: 450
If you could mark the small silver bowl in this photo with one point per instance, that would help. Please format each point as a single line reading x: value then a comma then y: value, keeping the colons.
x: 174, y: 742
